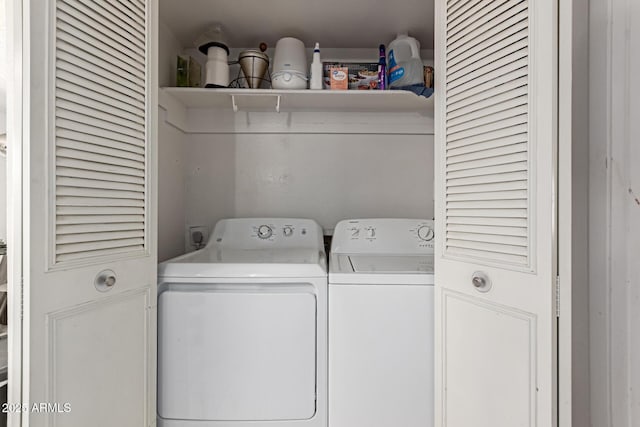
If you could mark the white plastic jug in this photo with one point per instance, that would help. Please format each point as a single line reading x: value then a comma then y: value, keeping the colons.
x: 404, y: 63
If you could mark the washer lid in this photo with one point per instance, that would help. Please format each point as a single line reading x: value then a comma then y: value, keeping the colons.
x: 391, y: 264
x: 356, y: 269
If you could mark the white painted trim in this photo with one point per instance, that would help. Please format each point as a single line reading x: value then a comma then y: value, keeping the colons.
x: 438, y: 187
x: 564, y: 215
x: 536, y: 57
x: 439, y: 156
x: 554, y: 100
x: 15, y: 96
x: 573, y: 359
x: 50, y: 146
x: 25, y: 159
x: 152, y: 196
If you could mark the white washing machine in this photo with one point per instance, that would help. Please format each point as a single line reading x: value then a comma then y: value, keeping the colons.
x: 242, y: 328
x: 381, y: 324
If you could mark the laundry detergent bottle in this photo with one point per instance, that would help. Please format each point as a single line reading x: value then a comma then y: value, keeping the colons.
x: 404, y: 64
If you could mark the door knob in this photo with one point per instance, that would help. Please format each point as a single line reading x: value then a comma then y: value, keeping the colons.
x: 105, y: 280
x: 481, y: 281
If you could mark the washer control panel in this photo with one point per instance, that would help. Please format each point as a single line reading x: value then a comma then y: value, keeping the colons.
x: 425, y: 233
x: 384, y: 235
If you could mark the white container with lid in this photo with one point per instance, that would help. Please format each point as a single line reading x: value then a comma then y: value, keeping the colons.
x: 213, y: 43
x: 289, y: 65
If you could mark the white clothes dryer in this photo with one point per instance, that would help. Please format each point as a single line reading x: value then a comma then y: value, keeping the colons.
x: 381, y: 324
x: 242, y: 328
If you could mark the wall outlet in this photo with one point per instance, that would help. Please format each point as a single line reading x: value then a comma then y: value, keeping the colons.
x: 197, y: 236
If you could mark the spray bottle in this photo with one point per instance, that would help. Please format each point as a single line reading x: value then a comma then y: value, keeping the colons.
x: 315, y: 82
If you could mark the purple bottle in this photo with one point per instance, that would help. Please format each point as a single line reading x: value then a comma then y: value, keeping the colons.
x: 382, y: 69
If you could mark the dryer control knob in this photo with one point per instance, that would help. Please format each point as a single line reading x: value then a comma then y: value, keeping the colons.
x: 264, y: 232
x: 425, y: 233
x: 287, y: 231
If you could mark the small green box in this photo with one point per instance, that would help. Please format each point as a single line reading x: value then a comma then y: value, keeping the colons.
x: 188, y: 72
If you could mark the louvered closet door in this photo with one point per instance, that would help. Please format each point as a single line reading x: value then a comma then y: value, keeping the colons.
x: 100, y: 129
x: 495, y: 213
x: 90, y: 225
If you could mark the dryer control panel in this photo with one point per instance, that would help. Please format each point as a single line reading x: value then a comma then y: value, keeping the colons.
x: 259, y: 233
x: 384, y: 235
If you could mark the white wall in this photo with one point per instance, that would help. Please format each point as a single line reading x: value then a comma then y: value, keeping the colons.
x: 169, y: 48
x: 326, y: 177
x: 332, y: 177
x: 171, y: 189
x: 614, y: 213
x: 205, y: 177
x: 171, y: 161
x: 210, y: 171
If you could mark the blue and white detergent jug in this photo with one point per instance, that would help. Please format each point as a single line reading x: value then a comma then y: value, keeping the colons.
x: 405, y: 66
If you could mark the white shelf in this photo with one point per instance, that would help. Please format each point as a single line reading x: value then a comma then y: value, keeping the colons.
x: 249, y: 100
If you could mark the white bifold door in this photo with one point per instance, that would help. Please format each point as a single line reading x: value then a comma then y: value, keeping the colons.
x: 496, y: 136
x: 89, y: 207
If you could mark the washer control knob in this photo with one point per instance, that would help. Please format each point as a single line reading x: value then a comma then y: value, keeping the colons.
x: 425, y: 233
x: 264, y: 232
x: 371, y: 233
x: 287, y: 231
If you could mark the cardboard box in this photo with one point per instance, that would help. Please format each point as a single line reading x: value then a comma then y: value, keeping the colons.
x: 339, y: 78
x: 362, y: 75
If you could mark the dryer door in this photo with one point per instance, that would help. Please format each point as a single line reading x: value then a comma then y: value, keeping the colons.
x: 237, y: 352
